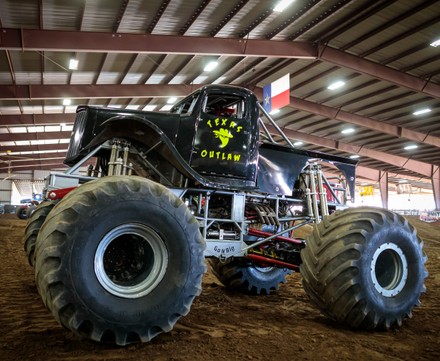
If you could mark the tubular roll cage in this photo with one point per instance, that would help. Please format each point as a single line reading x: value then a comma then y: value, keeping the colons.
x: 225, y: 237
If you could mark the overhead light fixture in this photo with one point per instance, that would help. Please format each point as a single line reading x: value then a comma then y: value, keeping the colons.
x: 422, y: 111
x: 348, y: 131
x: 411, y: 146
x: 281, y: 5
x: 435, y: 43
x: 67, y: 101
x: 210, y: 66
x: 297, y: 144
x: 336, y: 85
x: 171, y: 100
x: 73, y: 64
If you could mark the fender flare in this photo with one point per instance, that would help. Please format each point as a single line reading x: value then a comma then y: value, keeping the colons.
x: 146, y: 133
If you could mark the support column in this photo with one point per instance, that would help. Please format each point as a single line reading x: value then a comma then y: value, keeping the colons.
x: 435, y: 180
x: 383, y: 187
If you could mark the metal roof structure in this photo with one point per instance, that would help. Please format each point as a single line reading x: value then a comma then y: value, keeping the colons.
x: 135, y: 54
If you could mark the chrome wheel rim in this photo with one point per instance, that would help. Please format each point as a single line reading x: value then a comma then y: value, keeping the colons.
x: 130, y: 260
x: 389, y: 269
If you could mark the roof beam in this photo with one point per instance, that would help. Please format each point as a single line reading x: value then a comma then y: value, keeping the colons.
x: 81, y: 41
x: 14, y: 92
x: 382, y: 127
x: 379, y: 71
x: 158, y: 15
x: 36, y: 119
x: 334, y: 113
x: 369, y: 173
x: 164, y: 90
x: 33, y: 164
x: 34, y: 136
x: 39, y: 147
x: 415, y: 166
x: 101, y: 42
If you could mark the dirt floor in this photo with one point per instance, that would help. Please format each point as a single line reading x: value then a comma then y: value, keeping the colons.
x: 221, y: 325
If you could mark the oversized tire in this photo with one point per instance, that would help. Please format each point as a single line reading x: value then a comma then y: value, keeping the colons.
x: 245, y: 276
x: 31, y: 209
x: 21, y: 212
x: 364, y: 268
x: 34, y: 223
x: 119, y: 260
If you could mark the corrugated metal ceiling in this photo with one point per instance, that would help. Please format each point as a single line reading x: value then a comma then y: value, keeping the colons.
x: 393, y: 35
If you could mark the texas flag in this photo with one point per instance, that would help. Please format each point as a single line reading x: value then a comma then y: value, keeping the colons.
x: 277, y: 94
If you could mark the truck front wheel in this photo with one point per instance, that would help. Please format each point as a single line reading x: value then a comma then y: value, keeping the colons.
x: 119, y: 260
x: 364, y: 267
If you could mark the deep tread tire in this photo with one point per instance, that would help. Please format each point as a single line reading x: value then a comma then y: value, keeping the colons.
x: 364, y: 268
x: 31, y: 209
x: 21, y: 213
x: 74, y: 237
x: 34, y: 223
x: 244, y: 276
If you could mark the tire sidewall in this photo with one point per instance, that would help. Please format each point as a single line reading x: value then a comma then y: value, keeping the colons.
x: 88, y: 231
x: 409, y: 244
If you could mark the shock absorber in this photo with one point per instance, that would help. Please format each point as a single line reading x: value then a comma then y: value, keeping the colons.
x: 113, y: 156
x: 322, y: 192
x: 118, y: 163
x: 316, y: 194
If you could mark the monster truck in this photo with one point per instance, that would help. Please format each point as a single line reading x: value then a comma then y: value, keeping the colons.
x: 119, y: 244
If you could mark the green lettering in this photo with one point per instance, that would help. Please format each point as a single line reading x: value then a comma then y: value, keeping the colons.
x: 204, y: 153
x: 218, y: 155
x: 217, y: 122
x: 209, y: 123
x: 232, y: 125
x: 237, y: 157
x: 211, y: 154
x: 229, y: 156
x: 224, y: 122
x: 238, y: 129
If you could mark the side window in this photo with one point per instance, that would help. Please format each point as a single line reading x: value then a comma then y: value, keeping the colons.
x: 187, y: 106
x: 220, y: 105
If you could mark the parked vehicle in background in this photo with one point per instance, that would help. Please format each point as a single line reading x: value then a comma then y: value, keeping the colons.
x: 28, y: 206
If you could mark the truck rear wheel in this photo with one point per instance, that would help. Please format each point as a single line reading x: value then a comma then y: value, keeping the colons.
x: 34, y: 223
x: 119, y: 260
x: 245, y: 276
x: 364, y: 267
